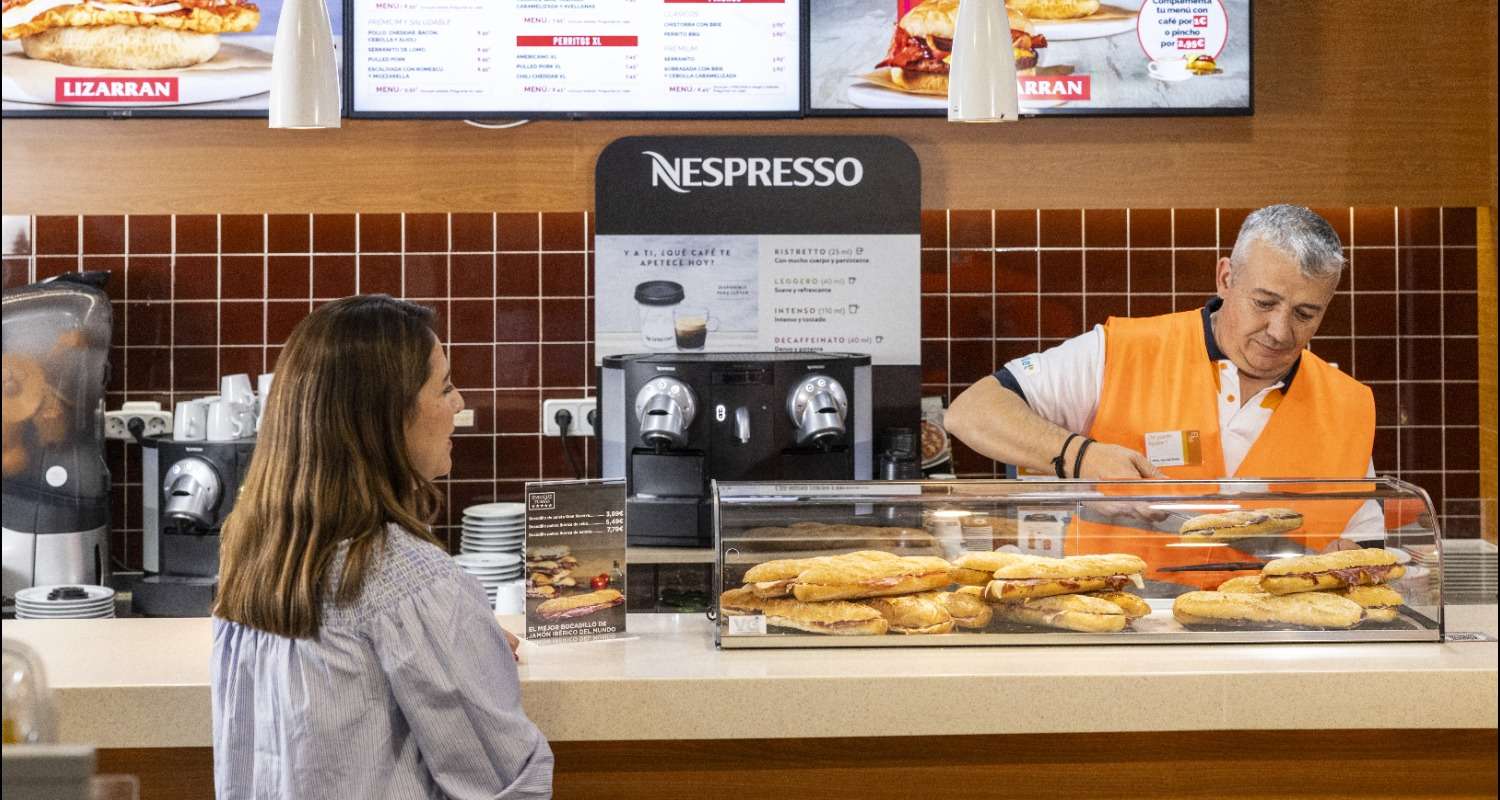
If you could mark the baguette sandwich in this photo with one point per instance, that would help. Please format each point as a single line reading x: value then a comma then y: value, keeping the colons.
x: 580, y: 605
x: 1246, y: 610
x: 833, y: 619
x: 913, y: 614
x: 1242, y: 524
x: 865, y: 574
x: 978, y: 569
x: 1367, y: 567
x: 774, y: 578
x: 1038, y: 576
x: 966, y: 606
x: 1381, y: 603
x: 1069, y: 612
x: 1132, y: 606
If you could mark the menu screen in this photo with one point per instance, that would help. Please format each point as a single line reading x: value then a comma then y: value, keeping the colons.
x: 626, y: 57
x: 1073, y: 57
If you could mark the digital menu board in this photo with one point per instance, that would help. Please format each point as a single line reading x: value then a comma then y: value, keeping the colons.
x: 478, y: 58
x: 1073, y: 57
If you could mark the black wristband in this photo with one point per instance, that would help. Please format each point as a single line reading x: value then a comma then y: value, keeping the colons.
x: 1078, y: 462
x: 1057, y: 461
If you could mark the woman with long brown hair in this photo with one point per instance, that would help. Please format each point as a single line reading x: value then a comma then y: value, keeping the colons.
x: 351, y: 656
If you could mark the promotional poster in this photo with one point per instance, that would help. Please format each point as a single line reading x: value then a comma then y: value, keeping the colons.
x: 575, y: 560
x: 141, y: 57
x: 1073, y: 57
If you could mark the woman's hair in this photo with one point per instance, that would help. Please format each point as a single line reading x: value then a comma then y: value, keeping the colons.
x: 330, y: 464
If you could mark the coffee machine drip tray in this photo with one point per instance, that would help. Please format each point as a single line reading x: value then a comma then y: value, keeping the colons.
x: 672, y: 423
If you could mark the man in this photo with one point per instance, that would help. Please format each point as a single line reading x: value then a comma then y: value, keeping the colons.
x: 1228, y: 390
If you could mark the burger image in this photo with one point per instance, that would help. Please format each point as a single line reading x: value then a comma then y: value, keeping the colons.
x: 921, y: 52
x: 134, y: 34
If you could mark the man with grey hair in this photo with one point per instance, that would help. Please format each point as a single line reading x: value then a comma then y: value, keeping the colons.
x: 1224, y: 391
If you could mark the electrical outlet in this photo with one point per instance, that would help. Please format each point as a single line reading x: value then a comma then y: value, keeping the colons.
x: 464, y: 419
x: 157, y: 421
x: 579, y: 407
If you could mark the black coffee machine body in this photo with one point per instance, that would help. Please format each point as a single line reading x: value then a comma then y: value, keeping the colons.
x: 671, y: 423
x: 189, y: 488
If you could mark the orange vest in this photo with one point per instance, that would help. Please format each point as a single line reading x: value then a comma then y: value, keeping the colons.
x: 1157, y: 378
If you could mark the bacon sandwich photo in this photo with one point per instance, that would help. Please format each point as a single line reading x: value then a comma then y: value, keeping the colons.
x: 921, y: 52
x: 132, y: 35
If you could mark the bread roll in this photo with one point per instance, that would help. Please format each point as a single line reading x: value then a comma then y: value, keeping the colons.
x: 966, y: 606
x: 913, y: 614
x: 978, y: 569
x: 1242, y: 524
x: 122, y: 47
x: 1067, y: 612
x: 1132, y: 606
x: 861, y: 575
x: 1306, y: 610
x: 1364, y: 567
x: 1243, y: 584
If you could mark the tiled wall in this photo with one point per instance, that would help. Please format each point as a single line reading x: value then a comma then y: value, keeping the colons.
x: 203, y: 295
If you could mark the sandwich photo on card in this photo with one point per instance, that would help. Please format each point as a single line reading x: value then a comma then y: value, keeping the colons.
x: 1247, y: 610
x: 1365, y: 567
x: 1047, y: 577
x: 580, y: 605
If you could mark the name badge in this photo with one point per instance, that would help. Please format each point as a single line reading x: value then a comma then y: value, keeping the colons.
x: 1174, y: 448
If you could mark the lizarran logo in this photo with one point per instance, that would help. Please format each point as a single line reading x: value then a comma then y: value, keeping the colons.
x: 682, y: 175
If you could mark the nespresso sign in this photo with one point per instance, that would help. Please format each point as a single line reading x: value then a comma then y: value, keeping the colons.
x: 758, y: 185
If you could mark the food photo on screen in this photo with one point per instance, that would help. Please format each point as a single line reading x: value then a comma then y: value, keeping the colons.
x: 196, y: 56
x: 1072, y: 56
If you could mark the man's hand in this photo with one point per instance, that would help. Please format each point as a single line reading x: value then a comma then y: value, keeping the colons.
x: 1113, y: 462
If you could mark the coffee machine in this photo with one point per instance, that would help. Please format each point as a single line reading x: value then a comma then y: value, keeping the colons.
x: 671, y: 423
x: 56, y: 484
x: 189, y: 488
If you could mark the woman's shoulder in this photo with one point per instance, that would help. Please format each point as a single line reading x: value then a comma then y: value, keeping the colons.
x: 403, y: 565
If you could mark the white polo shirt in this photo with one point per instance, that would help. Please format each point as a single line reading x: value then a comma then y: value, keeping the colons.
x: 1062, y: 385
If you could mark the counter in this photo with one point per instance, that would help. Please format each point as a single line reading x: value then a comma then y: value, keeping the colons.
x: 143, y: 683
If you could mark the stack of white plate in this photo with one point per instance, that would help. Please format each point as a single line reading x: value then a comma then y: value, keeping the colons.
x: 492, y: 569
x: 494, y: 528
x: 1469, y: 568
x: 65, y: 602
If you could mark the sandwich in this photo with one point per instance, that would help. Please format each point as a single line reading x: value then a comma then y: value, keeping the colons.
x: 1039, y: 576
x: 1242, y: 524
x: 913, y: 614
x: 539, y: 579
x: 1247, y: 610
x: 1054, y: 9
x: 1381, y: 603
x: 921, y: 52
x: 1365, y: 567
x: 542, y: 592
x: 832, y: 619
x: 1132, y: 606
x: 580, y: 605
x: 1244, y: 584
x: 133, y: 34
x: 553, y: 568
x: 1069, y: 612
x: 865, y: 574
x: 966, y: 606
x: 551, y: 552
x: 774, y: 578
x: 978, y: 569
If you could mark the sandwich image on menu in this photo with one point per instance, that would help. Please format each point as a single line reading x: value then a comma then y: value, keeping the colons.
x: 149, y: 54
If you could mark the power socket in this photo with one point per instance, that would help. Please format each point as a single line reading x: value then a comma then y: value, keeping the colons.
x: 578, y: 407
x: 157, y: 421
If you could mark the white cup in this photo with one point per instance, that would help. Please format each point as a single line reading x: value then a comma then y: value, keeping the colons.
x: 227, y: 421
x: 236, y: 388
x: 262, y: 394
x: 1173, y: 70
x: 190, y: 421
x: 510, y: 598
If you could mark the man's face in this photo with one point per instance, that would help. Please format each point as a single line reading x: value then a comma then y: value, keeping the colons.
x: 1271, y: 311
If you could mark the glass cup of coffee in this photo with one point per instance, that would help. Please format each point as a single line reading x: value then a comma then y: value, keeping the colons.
x: 691, y: 326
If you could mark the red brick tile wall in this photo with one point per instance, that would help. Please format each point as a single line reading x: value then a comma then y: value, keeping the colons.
x: 196, y: 296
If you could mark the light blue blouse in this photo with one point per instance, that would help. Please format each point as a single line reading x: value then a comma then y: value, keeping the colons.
x: 410, y: 692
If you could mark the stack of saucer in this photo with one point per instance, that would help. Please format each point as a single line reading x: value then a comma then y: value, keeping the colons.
x: 65, y: 602
x: 494, y: 528
x: 495, y: 571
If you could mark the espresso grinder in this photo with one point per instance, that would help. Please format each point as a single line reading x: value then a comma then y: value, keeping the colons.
x: 674, y: 422
x: 189, y: 488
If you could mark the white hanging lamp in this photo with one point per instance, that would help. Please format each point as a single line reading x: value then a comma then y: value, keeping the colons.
x: 982, y: 75
x: 304, y: 68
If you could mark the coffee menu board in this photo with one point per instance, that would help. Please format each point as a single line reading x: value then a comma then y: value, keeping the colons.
x: 140, y: 58
x: 477, y: 58
x: 575, y: 560
x: 1073, y: 57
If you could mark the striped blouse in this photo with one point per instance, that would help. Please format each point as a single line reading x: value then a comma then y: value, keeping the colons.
x: 410, y: 692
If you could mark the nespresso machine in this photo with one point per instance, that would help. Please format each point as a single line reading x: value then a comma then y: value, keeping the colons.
x: 56, y: 484
x: 672, y: 422
x: 189, y: 488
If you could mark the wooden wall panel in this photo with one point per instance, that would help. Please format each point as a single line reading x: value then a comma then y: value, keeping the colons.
x: 1356, y: 104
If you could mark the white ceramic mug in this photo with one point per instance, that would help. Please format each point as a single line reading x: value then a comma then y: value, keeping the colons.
x: 190, y: 421
x: 236, y: 388
x: 262, y: 395
x: 227, y: 421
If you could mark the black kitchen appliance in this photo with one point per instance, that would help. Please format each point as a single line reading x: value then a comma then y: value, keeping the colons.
x: 189, y: 488
x: 673, y: 422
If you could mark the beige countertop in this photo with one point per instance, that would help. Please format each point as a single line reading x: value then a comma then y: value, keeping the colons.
x: 144, y: 683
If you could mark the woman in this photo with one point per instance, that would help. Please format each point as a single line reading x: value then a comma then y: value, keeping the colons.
x: 351, y: 657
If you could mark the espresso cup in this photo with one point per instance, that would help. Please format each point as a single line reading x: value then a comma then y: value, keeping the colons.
x: 691, y: 327
x: 227, y: 421
x: 237, y: 388
x: 190, y: 421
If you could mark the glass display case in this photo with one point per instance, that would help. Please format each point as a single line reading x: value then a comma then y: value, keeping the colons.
x: 982, y: 562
